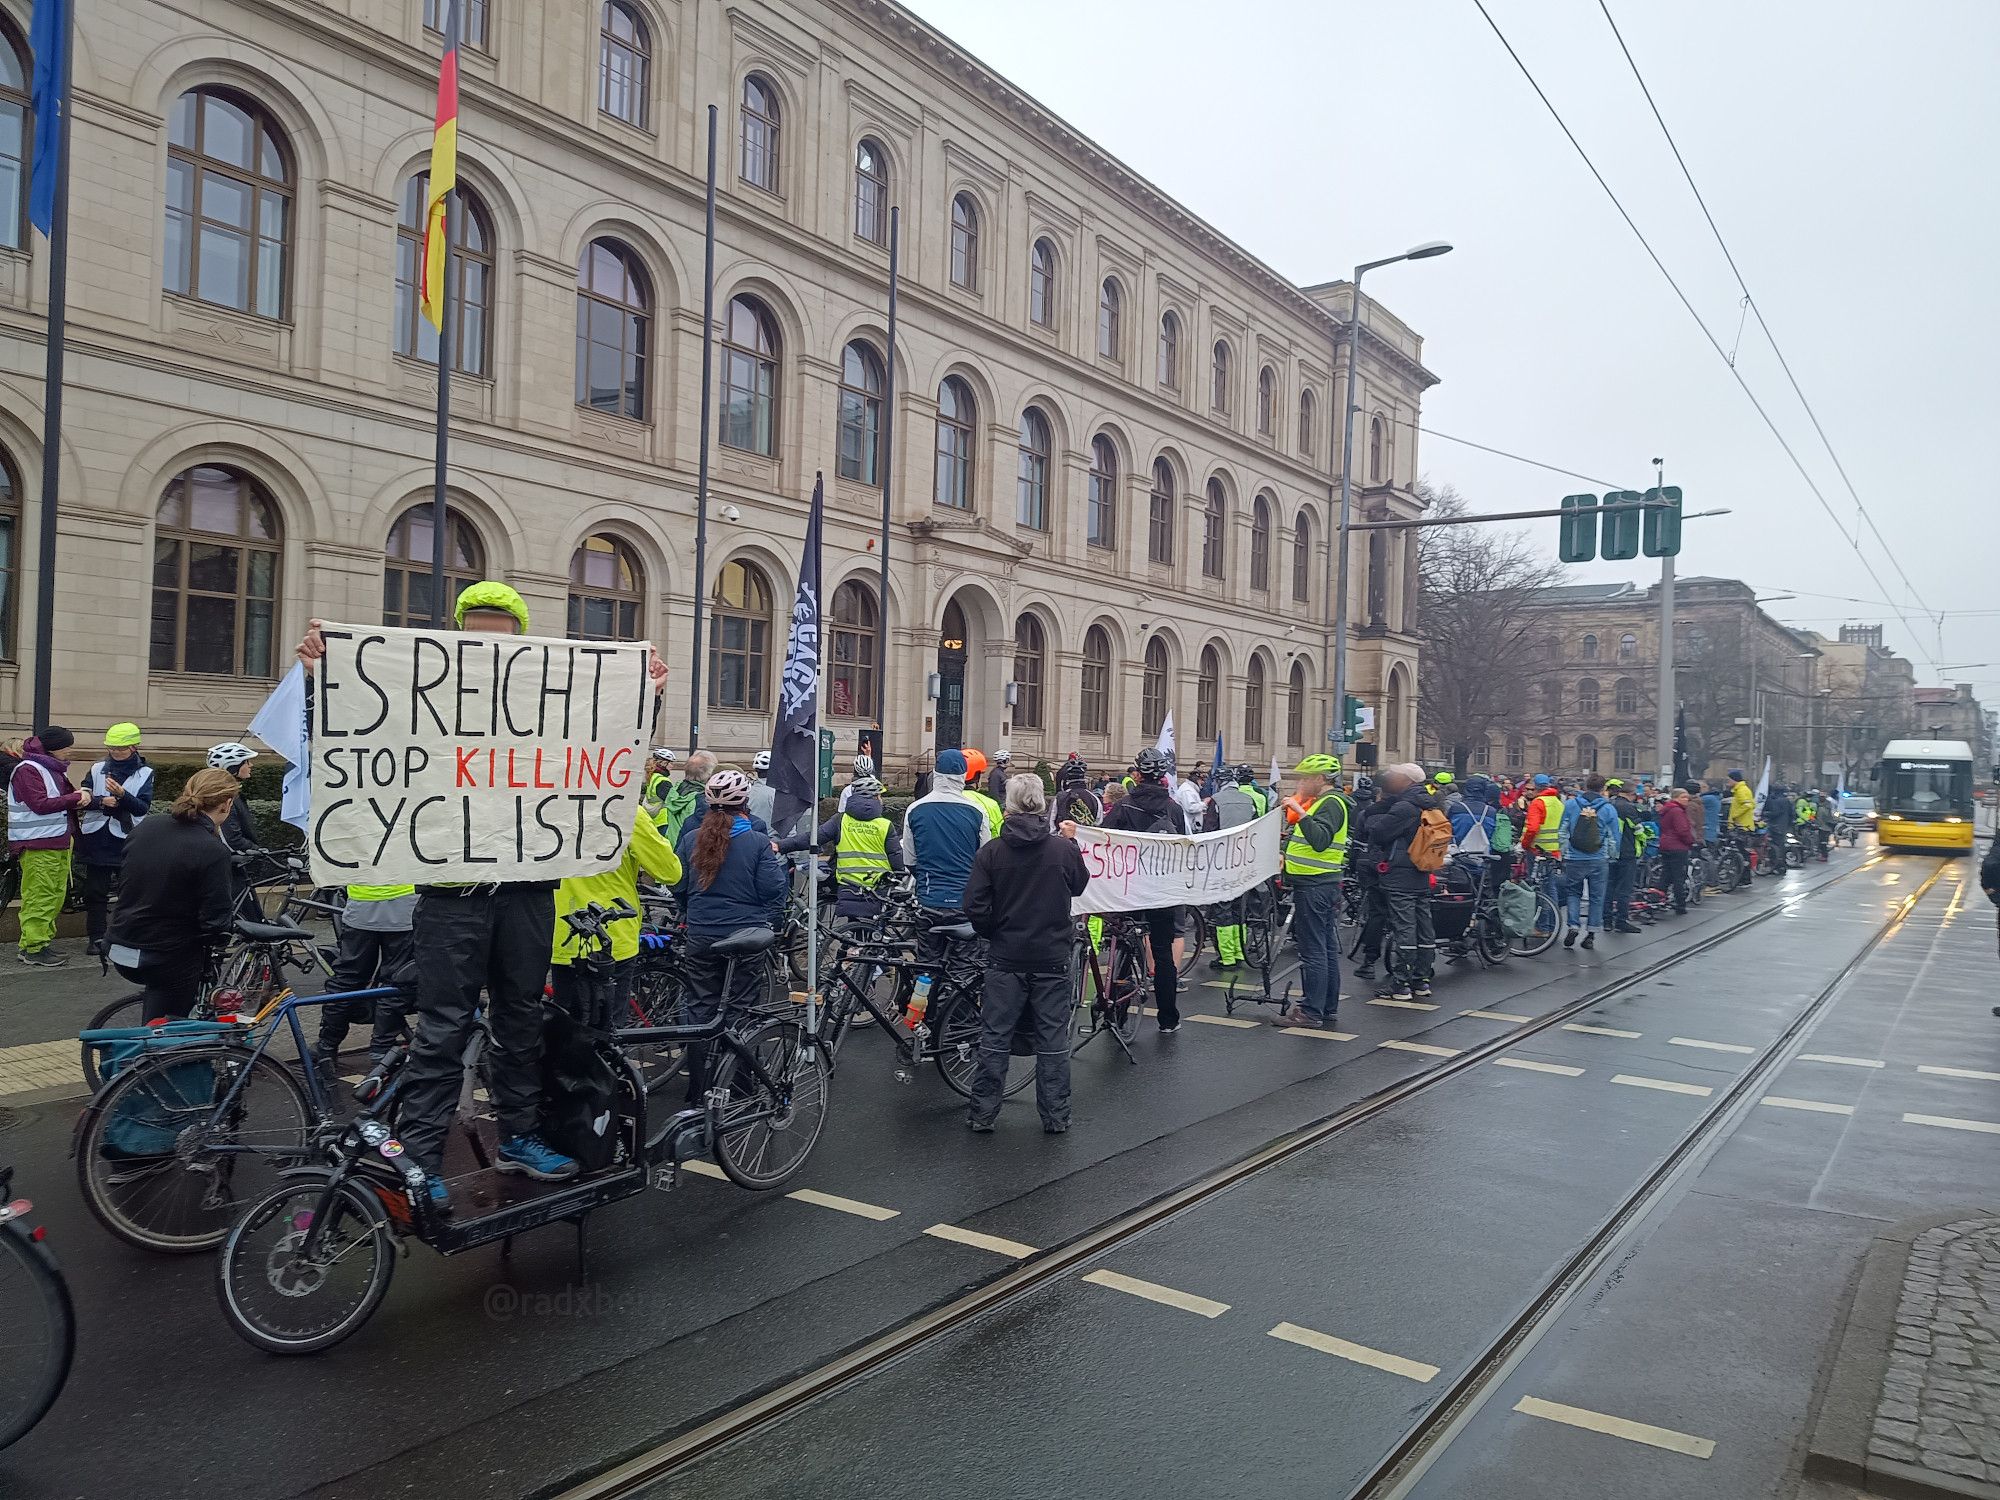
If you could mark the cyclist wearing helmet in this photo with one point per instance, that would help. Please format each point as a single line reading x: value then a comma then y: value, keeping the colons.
x: 659, y: 777
x: 731, y: 879
x: 863, y: 767
x: 1150, y: 808
x: 975, y: 771
x: 121, y: 793
x: 996, y: 779
x: 239, y: 829
x: 1075, y: 802
x: 1315, y: 857
x: 862, y: 845
x: 763, y: 796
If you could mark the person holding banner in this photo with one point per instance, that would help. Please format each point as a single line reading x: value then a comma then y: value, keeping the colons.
x: 1236, y: 802
x: 1315, y: 856
x: 1150, y: 807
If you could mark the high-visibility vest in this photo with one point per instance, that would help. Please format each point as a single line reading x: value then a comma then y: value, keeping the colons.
x: 1302, y: 859
x: 656, y: 788
x: 1259, y: 799
x: 863, y: 851
x: 94, y: 817
x: 24, y: 826
x: 379, y: 892
x: 988, y: 806
x: 1548, y: 838
x: 1234, y: 807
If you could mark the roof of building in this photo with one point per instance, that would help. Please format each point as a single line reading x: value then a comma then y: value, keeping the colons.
x: 1582, y: 593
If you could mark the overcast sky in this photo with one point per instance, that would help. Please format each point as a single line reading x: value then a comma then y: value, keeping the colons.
x: 1846, y: 149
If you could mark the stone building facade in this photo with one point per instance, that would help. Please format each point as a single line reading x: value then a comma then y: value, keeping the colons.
x: 1114, y: 437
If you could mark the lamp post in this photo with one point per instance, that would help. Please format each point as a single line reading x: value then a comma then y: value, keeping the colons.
x: 1339, y: 562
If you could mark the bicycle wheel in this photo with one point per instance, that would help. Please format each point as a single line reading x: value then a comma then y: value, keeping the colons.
x: 1489, y: 939
x: 1193, y: 940
x: 147, y: 1157
x: 958, y: 1028
x: 775, y: 1141
x: 124, y: 1011
x: 1256, y: 940
x: 1548, y: 927
x: 660, y: 1000
x: 1131, y: 986
x: 37, y: 1332
x: 287, y: 1299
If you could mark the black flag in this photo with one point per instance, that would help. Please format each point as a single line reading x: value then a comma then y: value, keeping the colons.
x: 795, y: 746
x: 1681, y: 745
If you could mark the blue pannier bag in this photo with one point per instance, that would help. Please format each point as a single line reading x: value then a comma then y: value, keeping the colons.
x: 149, y: 1122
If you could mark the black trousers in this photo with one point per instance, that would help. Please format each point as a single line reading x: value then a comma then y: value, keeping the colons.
x: 708, y: 976
x: 1162, y: 925
x: 365, y: 960
x: 1416, y: 941
x: 171, y: 979
x: 1045, y: 999
x: 496, y: 939
x: 99, y: 881
x: 1674, y: 870
x: 1375, y: 926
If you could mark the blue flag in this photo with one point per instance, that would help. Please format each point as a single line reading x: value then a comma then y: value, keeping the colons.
x: 48, y: 39
x: 795, y: 746
x: 1214, y: 771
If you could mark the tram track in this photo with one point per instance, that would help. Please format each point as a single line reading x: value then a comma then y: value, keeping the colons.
x: 633, y: 1476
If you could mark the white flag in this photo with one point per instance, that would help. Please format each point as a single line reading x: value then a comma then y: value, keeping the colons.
x: 1165, y: 744
x: 1764, y: 783
x: 1277, y: 776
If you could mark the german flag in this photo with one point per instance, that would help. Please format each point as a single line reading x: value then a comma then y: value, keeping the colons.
x: 444, y: 174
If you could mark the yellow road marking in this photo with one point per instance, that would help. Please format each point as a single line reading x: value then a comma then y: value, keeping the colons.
x: 1845, y: 1062
x: 1424, y: 1047
x: 1013, y: 1249
x: 1236, y: 1021
x: 1317, y: 1033
x: 1947, y: 1122
x: 1359, y: 1354
x: 1497, y: 1015
x: 1537, y: 1067
x: 1404, y: 1004
x: 1960, y: 1073
x: 1602, y: 1031
x: 1152, y: 1291
x: 705, y: 1169
x: 1619, y: 1427
x: 1664, y: 1085
x: 1815, y: 1106
x: 853, y: 1206
x: 1688, y: 1041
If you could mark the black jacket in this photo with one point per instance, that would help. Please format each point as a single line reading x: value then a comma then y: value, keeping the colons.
x: 1989, y: 872
x: 1629, y: 818
x: 1391, y: 822
x: 176, y: 891
x: 239, y: 829
x: 1018, y: 896
x: 1148, y: 808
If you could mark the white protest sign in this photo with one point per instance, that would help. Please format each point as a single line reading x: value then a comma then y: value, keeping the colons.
x: 441, y: 758
x: 1142, y: 871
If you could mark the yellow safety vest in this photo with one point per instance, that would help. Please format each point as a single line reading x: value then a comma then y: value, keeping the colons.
x: 990, y: 807
x: 863, y: 851
x: 379, y: 892
x: 1302, y: 859
x: 1257, y: 799
x: 1548, y: 838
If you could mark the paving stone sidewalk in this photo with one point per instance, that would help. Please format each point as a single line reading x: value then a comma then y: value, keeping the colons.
x: 1940, y: 1404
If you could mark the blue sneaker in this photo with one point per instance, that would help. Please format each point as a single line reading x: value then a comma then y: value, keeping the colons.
x: 536, y: 1157
x: 440, y: 1193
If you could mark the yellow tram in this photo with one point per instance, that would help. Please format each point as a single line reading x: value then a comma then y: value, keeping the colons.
x: 1923, y: 796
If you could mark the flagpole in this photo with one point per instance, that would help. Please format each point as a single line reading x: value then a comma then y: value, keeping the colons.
x: 441, y: 468
x: 52, y: 394
x: 701, y: 480
x: 887, y: 448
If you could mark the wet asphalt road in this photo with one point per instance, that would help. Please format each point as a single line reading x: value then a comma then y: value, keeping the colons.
x: 481, y: 1379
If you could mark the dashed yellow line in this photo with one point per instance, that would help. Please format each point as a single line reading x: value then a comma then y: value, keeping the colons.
x: 1528, y: 1066
x: 853, y: 1206
x: 1424, y: 1047
x: 1360, y: 1354
x: 1960, y: 1073
x: 1950, y: 1122
x: 1602, y: 1031
x: 1811, y: 1106
x: 1664, y: 1085
x: 1013, y: 1249
x: 1152, y: 1291
x: 1618, y: 1427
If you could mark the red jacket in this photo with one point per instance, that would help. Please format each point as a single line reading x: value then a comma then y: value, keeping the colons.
x: 1676, y: 832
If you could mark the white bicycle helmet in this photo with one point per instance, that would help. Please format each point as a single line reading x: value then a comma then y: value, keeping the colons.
x: 865, y: 786
x: 229, y: 755
x: 728, y: 789
x: 661, y: 752
x: 761, y: 761
x: 864, y: 765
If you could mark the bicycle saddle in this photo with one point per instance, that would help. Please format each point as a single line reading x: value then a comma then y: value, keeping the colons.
x: 271, y: 932
x: 955, y: 932
x: 741, y: 943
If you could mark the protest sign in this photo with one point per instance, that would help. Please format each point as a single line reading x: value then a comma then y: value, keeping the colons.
x: 441, y: 758
x: 1142, y: 871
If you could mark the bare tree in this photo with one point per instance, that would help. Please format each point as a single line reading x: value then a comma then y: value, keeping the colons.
x: 1483, y: 643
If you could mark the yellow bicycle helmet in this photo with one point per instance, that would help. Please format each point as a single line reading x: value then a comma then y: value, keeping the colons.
x: 1318, y: 765
x: 488, y: 594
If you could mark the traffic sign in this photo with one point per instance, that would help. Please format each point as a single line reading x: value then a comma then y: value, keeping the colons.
x: 1579, y: 529
x: 1662, y: 526
x: 1621, y: 525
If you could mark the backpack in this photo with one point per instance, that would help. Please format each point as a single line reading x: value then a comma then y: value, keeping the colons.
x: 1430, y: 844
x: 1503, y: 833
x: 1586, y: 836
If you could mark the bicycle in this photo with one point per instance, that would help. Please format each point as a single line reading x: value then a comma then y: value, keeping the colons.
x: 1543, y: 872
x: 36, y: 1315
x: 1110, y: 980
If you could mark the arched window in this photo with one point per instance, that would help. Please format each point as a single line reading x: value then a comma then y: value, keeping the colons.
x: 1101, y: 509
x: 965, y: 242
x: 216, y: 545
x: 614, y: 330
x: 1170, y: 351
x: 1160, y: 514
x: 1153, y: 688
x: 1253, y: 703
x: 1517, y: 752
x: 406, y: 566
x: 1624, y: 754
x: 1096, y: 704
x: 1302, y: 545
x: 229, y: 203
x: 14, y: 132
x: 1295, y: 706
x: 1586, y: 695
x: 1110, y: 339
x: 624, y: 64
x: 1042, y: 285
x: 1482, y: 755
x: 1628, y: 647
x: 871, y: 192
x: 1628, y: 696
x: 750, y: 378
x: 1551, y: 753
x: 1218, y: 376
x: 1374, y: 450
x: 739, y: 638
x: 954, y: 445
x: 1031, y: 486
x: 1392, y: 714
x: 1590, y: 648
x: 1214, y: 520
x: 860, y: 441
x: 1260, y: 543
x: 1552, y: 699
x: 1586, y: 752
x: 1267, y: 398
x: 1207, y: 688
x: 856, y: 643
x: 1030, y: 650
x: 757, y: 134
x: 469, y: 304
x: 471, y: 20
x: 1306, y: 421
x: 607, y: 591
x: 10, y: 552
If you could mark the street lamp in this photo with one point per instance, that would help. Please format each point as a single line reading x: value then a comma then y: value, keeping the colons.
x: 1339, y: 561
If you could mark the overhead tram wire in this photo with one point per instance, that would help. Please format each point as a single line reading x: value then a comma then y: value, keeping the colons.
x: 1700, y: 323
x: 1750, y: 301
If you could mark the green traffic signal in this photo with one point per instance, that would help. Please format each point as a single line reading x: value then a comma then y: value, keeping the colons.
x: 1662, y: 527
x: 1621, y: 526
x: 1350, y: 719
x: 1579, y: 528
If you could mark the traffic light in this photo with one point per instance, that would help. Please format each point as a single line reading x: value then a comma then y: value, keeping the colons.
x: 1621, y: 527
x: 1350, y: 720
x: 1579, y: 528
x: 1662, y: 527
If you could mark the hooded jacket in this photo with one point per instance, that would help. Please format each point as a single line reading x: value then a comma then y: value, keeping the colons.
x: 1676, y: 828
x: 1018, y: 896
x: 1391, y: 823
x: 863, y: 807
x: 942, y: 831
x: 1148, y: 808
x: 748, y: 890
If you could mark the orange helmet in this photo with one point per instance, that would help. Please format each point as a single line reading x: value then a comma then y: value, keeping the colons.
x: 975, y: 763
